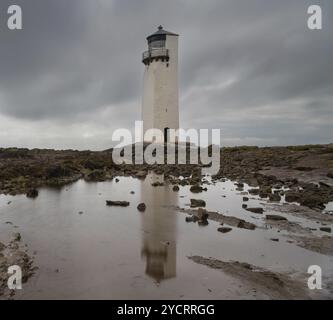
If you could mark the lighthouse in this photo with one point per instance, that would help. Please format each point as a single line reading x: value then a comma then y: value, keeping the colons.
x: 160, y: 107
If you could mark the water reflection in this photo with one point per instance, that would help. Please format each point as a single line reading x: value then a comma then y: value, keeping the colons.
x: 159, y: 229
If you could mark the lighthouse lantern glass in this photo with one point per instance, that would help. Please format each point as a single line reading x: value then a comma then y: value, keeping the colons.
x: 157, y: 41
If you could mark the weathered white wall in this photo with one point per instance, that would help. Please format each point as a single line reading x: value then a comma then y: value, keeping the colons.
x: 160, y: 94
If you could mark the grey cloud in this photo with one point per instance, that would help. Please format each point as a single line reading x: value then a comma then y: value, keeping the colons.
x: 250, y: 67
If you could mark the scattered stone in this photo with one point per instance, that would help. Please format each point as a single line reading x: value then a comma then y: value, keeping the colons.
x: 157, y: 184
x: 117, y: 203
x: 245, y: 199
x: 254, y: 192
x: 224, y: 229
x: 292, y: 196
x: 197, y: 203
x: 175, y: 188
x: 141, y: 174
x: 16, y: 237
x: 189, y: 219
x: 304, y: 168
x: 275, y: 217
x: 244, y: 205
x: 202, y: 214
x: 256, y: 210
x: 275, y: 197
x: 141, y: 207
x: 275, y: 239
x: 197, y: 189
x: 203, y: 223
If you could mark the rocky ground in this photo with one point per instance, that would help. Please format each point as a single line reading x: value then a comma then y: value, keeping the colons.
x: 306, y: 170
x: 14, y: 253
x: 298, y: 174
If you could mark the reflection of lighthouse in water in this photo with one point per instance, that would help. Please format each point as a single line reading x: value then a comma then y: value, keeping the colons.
x: 159, y: 230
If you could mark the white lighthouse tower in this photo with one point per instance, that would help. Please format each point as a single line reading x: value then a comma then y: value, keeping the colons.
x: 160, y: 108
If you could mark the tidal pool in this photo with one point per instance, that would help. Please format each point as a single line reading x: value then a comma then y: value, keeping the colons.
x: 86, y: 250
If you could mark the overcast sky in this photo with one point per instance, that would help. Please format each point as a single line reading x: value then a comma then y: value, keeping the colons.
x: 250, y: 67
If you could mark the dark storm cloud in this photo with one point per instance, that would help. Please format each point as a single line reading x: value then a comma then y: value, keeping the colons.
x: 249, y: 67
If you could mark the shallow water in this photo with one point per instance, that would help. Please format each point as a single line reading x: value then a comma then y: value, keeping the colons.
x: 87, y: 250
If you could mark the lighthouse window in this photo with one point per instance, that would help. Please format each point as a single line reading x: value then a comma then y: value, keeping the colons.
x: 157, y: 41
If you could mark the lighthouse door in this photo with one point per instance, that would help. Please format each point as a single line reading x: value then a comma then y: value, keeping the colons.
x: 166, y: 135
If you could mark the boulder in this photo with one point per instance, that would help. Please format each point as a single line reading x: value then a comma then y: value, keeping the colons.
x: 254, y: 192
x: 275, y: 197
x: 202, y: 214
x: 256, y: 210
x: 224, y: 229
x: 141, y: 207
x: 197, y: 189
x: 117, y: 203
x: 292, y: 196
x: 275, y: 217
x: 197, y: 203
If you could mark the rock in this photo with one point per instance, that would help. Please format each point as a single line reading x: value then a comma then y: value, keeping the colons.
x: 192, y: 218
x: 80, y: 212
x: 326, y: 229
x: 197, y: 203
x: 224, y: 229
x: 313, y: 201
x: 330, y: 175
x: 32, y: 193
x: 275, y: 197
x: 275, y: 217
x: 254, y: 192
x: 245, y: 199
x: 117, y: 180
x: 16, y: 237
x: 239, y: 185
x: 256, y: 210
x: 244, y: 205
x: 2, y: 246
x: 245, y: 225
x: 141, y: 207
x: 95, y: 176
x: 203, y: 222
x: 117, y: 203
x: 292, y: 196
x: 141, y: 174
x: 197, y: 189
x: 275, y: 239
x: 175, y: 188
x: 304, y: 168
x: 132, y: 192
x: 157, y: 184
x: 202, y: 214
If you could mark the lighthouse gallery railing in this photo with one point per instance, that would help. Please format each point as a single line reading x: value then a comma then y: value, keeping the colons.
x: 154, y: 54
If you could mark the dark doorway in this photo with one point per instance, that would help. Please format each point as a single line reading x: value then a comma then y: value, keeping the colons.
x: 166, y: 135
